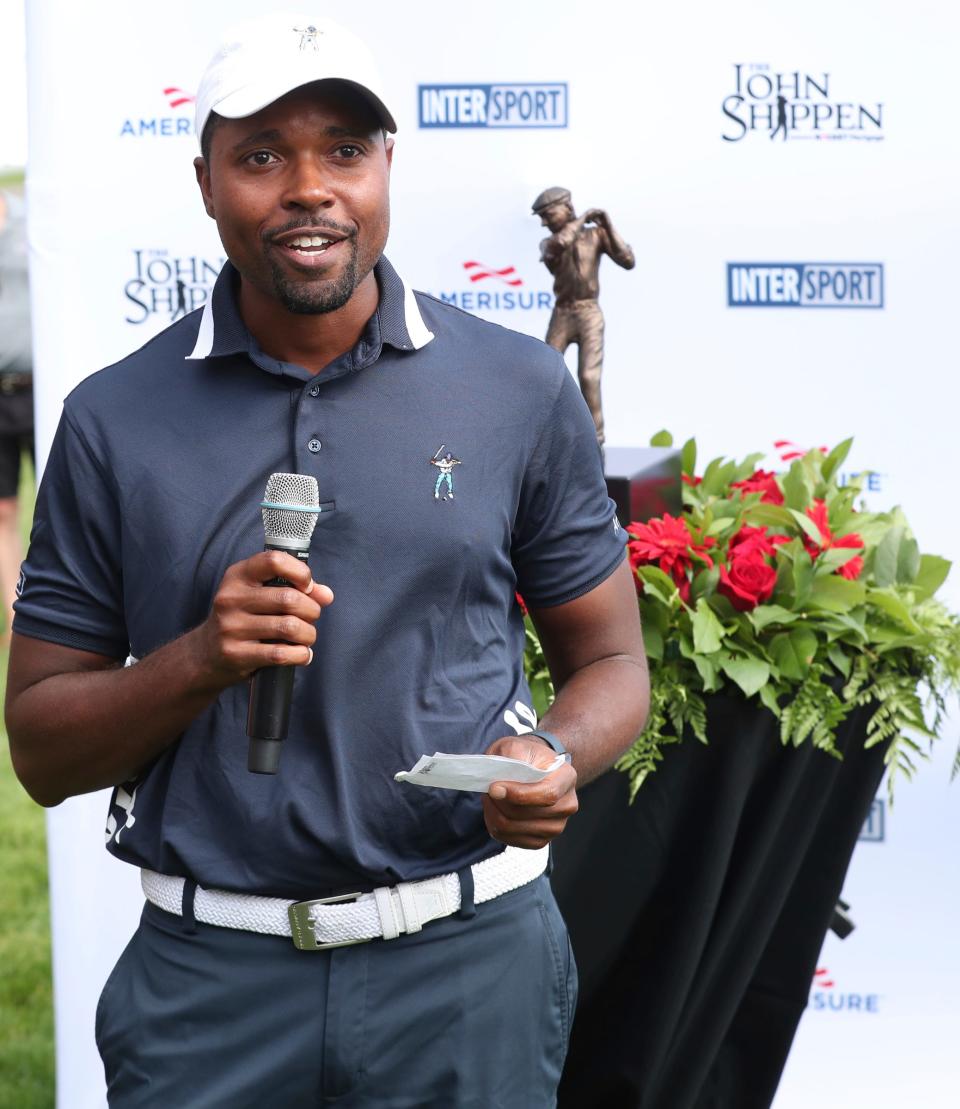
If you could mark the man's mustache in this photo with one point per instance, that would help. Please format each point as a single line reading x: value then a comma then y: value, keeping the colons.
x: 305, y: 223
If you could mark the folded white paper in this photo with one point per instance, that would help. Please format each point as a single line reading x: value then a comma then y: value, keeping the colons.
x: 473, y: 773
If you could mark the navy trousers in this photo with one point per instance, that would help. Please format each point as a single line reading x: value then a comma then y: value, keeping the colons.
x: 470, y: 1013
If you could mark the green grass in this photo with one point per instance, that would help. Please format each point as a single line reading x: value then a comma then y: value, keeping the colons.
x: 26, y: 995
x: 11, y: 178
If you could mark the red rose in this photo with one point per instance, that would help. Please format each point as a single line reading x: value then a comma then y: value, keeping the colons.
x: 749, y: 581
x: 755, y: 539
x: 761, y: 481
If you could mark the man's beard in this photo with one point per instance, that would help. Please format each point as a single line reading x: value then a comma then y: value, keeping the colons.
x: 314, y: 298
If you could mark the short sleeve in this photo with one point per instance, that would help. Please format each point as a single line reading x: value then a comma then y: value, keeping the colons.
x: 70, y: 589
x: 566, y: 538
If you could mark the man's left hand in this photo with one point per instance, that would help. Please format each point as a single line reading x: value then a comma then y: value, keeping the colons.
x: 530, y: 814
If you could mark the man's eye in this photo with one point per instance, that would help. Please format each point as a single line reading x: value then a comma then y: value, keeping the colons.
x: 349, y: 150
x: 260, y: 157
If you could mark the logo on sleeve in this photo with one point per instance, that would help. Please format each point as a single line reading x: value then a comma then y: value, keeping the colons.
x: 21, y: 583
x: 522, y: 721
x: 445, y: 463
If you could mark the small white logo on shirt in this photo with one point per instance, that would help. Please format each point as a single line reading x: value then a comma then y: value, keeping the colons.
x: 512, y: 719
x: 123, y: 800
x: 21, y: 583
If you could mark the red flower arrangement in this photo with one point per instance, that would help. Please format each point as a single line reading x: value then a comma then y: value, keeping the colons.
x: 762, y: 587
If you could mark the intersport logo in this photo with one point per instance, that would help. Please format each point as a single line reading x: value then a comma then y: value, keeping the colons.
x: 805, y: 285
x: 517, y: 105
x: 874, y: 827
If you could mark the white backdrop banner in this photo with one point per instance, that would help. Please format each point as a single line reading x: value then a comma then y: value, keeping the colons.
x: 788, y: 183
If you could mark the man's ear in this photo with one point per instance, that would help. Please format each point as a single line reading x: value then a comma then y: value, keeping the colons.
x: 202, y: 171
x: 388, y: 149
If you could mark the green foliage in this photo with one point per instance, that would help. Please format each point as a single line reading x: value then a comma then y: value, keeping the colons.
x: 26, y: 1002
x: 674, y: 708
x: 537, y: 674
x: 843, y: 614
x: 26, y: 987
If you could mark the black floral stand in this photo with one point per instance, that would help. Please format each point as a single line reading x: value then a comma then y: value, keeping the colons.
x: 697, y: 914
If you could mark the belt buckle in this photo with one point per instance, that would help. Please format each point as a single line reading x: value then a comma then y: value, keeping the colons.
x: 301, y: 931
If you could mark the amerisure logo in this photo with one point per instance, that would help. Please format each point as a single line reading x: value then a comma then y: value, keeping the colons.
x: 804, y: 285
x: 826, y: 997
x: 505, y: 105
x: 873, y: 482
x: 166, y: 126
x: 495, y: 289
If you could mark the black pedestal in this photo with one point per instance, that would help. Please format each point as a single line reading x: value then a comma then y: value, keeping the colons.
x: 643, y: 481
x: 697, y: 913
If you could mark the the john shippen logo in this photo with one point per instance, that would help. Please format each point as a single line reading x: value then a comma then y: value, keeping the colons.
x: 167, y: 285
x: 793, y: 105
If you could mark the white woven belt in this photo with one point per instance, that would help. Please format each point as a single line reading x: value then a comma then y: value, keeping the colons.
x: 387, y: 912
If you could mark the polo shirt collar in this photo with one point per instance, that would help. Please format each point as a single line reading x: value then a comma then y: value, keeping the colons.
x: 223, y: 332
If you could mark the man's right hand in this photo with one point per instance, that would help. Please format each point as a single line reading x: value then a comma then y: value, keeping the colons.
x: 79, y: 721
x: 253, y: 625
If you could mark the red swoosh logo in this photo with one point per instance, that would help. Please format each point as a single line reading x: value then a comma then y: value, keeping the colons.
x: 478, y: 272
x: 176, y: 97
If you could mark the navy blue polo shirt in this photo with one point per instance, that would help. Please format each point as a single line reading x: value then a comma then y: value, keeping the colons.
x: 152, y: 491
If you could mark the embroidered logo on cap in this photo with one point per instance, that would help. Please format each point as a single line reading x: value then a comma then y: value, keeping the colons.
x: 445, y: 464
x: 308, y: 37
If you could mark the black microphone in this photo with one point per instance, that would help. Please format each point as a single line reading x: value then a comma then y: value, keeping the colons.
x: 290, y: 507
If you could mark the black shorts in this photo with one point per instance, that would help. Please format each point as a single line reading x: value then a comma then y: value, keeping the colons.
x: 16, y: 435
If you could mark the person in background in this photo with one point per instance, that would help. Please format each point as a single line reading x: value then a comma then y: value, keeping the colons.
x: 16, y: 389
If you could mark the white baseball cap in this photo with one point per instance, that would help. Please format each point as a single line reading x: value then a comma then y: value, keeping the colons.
x: 262, y: 59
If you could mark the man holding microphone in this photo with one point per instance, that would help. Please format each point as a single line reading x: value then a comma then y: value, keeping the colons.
x: 324, y: 932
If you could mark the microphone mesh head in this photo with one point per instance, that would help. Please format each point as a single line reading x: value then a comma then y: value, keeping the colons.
x: 290, y: 508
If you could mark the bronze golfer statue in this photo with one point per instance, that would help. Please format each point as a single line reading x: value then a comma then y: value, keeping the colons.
x: 572, y: 254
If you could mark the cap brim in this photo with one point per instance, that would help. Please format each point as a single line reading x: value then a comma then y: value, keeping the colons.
x: 254, y: 98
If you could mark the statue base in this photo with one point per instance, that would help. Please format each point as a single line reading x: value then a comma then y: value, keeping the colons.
x: 643, y: 481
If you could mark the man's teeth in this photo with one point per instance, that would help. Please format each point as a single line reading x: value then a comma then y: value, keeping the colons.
x: 309, y: 242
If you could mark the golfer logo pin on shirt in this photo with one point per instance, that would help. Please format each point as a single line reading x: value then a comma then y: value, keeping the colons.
x: 445, y: 464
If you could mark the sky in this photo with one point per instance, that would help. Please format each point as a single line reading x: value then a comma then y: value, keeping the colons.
x: 13, y: 85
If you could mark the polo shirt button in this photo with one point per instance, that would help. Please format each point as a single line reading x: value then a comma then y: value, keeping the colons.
x: 314, y: 390
x: 314, y: 446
